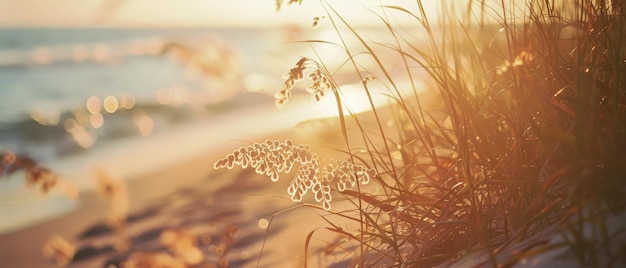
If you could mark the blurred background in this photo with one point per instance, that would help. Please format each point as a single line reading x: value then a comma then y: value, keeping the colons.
x: 132, y: 86
x: 135, y: 85
x: 76, y: 75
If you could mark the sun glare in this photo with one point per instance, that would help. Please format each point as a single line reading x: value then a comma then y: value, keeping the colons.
x: 353, y: 101
x: 255, y: 82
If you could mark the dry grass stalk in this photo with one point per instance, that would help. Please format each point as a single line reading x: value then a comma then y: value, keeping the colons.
x: 36, y: 175
x: 321, y: 80
x: 531, y: 132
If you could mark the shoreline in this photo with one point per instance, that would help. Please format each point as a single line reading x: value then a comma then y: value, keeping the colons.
x: 138, y: 156
x: 191, y: 195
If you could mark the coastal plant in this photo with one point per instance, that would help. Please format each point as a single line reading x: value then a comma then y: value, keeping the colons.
x: 312, y: 173
x: 524, y: 139
x: 36, y: 175
x: 321, y: 81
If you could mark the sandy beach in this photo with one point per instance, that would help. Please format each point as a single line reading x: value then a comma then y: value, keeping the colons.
x: 236, y: 217
x: 162, y: 134
x: 227, y: 211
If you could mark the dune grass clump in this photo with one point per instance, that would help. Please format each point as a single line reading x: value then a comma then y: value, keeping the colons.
x: 525, y: 144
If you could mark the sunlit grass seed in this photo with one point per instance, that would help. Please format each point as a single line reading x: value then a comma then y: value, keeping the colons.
x: 272, y: 157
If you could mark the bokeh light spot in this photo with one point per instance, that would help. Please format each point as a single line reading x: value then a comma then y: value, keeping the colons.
x: 164, y: 96
x: 94, y: 105
x: 263, y: 223
x: 110, y: 104
x: 96, y: 120
x: 127, y: 101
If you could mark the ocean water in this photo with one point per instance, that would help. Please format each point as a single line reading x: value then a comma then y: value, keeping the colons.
x: 48, y: 75
x: 129, y: 101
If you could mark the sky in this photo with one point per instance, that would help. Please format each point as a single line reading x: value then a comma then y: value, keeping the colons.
x: 173, y: 13
x: 160, y: 13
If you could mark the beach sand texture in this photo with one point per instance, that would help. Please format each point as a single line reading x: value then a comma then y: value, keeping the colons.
x: 226, y: 212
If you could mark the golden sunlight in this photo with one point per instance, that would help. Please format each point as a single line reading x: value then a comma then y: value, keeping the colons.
x: 190, y: 13
x: 353, y: 101
x: 326, y: 133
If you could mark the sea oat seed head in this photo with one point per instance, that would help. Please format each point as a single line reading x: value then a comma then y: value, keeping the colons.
x: 341, y: 186
x: 272, y: 157
x: 296, y: 197
x: 319, y: 196
x: 326, y: 205
x: 274, y: 177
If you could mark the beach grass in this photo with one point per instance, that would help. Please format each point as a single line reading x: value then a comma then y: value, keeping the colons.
x: 526, y: 140
x: 515, y: 150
